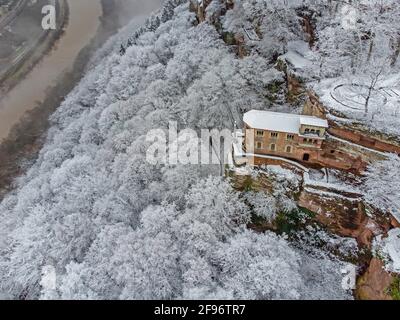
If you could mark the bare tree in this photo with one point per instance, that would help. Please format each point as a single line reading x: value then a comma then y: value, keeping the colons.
x: 372, y: 86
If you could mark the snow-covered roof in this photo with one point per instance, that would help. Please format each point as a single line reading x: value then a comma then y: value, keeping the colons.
x: 281, y: 122
x: 313, y: 121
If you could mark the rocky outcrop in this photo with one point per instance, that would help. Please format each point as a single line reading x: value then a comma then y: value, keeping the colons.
x: 295, y: 88
x: 313, y: 107
x: 375, y: 282
x: 346, y: 156
x: 344, y: 214
x: 308, y: 21
x: 199, y: 7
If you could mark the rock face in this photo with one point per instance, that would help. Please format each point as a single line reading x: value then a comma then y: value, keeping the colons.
x: 295, y: 88
x: 199, y: 7
x: 374, y: 283
x: 363, y: 139
x: 313, y: 106
x: 344, y: 215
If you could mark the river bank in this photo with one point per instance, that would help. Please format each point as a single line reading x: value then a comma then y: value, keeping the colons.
x: 26, y: 138
x: 24, y: 63
x: 34, y: 87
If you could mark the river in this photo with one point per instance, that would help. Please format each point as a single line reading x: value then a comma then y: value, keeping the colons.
x: 84, y: 20
x: 82, y: 27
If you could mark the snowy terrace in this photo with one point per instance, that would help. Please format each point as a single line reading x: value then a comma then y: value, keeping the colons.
x: 349, y: 99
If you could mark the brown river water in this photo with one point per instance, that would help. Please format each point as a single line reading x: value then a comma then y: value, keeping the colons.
x: 82, y: 26
x: 84, y: 21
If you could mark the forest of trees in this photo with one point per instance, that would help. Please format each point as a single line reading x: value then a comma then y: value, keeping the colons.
x: 114, y: 226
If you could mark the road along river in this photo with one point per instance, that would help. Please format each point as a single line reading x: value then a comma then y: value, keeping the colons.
x: 84, y: 20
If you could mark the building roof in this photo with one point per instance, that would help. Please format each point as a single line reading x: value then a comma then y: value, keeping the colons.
x: 281, y: 122
x: 313, y: 121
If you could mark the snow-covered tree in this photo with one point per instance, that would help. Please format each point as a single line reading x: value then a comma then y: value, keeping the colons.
x: 382, y: 187
x: 114, y: 226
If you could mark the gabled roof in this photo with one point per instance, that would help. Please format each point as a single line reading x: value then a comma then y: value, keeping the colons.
x: 281, y: 122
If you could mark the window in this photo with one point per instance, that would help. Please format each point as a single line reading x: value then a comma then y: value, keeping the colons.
x: 274, y: 134
x: 260, y: 133
x: 312, y: 131
x: 289, y: 149
x: 272, y: 147
x: 318, y: 132
x: 290, y: 137
x: 259, y: 145
x: 307, y: 130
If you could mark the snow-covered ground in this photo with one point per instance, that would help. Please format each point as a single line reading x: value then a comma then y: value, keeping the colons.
x: 331, y: 179
x: 348, y: 94
x: 389, y: 248
x: 299, y: 56
x: 349, y: 98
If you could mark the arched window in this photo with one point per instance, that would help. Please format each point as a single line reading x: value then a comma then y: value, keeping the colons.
x: 289, y: 149
x: 272, y: 147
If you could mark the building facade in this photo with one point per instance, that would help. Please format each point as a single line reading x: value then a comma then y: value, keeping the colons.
x: 291, y: 136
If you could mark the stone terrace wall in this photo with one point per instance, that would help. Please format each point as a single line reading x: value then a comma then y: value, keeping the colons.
x: 362, y: 139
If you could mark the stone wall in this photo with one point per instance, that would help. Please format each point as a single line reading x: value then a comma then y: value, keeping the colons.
x: 362, y: 139
x: 345, y: 156
x: 343, y: 214
x: 333, y: 154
